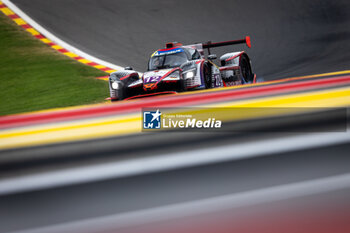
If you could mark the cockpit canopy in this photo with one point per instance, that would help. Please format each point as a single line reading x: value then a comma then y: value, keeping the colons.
x: 171, y: 58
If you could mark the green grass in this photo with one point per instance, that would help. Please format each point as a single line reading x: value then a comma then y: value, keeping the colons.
x: 33, y: 76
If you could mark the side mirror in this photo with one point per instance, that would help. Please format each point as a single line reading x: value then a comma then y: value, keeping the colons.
x: 128, y: 68
x: 212, y: 57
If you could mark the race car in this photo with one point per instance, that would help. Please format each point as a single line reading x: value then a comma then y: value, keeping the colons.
x: 178, y: 68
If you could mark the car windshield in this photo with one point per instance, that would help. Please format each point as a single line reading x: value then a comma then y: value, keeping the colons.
x: 167, y: 61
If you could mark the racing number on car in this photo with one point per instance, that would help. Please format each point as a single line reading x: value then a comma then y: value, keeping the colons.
x: 216, y: 80
x: 152, y: 79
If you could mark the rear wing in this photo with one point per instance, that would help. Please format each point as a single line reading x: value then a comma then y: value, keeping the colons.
x: 201, y: 46
x: 209, y: 44
x: 246, y: 40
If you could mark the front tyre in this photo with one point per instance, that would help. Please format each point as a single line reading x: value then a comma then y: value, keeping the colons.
x: 182, y: 85
x: 117, y: 94
x: 207, y: 76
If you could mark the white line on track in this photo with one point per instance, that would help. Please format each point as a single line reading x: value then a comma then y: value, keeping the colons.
x: 193, y: 208
x: 163, y: 162
x: 55, y: 39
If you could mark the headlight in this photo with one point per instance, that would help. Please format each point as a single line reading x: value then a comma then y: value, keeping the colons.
x: 115, y: 85
x: 190, y: 73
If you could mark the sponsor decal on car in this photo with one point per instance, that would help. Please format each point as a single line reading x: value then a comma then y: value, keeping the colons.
x: 168, y: 51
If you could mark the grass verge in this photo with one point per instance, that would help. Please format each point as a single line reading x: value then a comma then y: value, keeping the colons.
x: 33, y: 76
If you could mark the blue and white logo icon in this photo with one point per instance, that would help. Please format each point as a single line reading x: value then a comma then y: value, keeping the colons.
x: 152, y: 120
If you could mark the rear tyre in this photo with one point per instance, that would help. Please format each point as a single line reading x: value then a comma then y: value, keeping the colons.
x: 246, y: 70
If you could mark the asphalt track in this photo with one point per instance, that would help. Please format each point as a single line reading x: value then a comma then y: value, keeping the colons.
x: 289, y: 39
